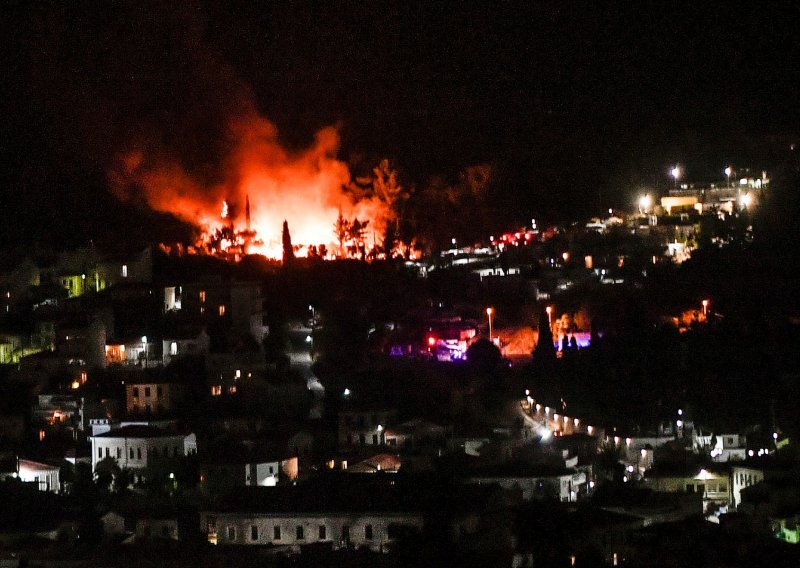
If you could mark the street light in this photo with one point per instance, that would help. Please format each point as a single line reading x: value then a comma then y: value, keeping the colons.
x: 144, y: 348
x: 490, y: 313
x: 675, y: 172
x: 728, y: 172
x: 645, y: 202
x: 549, y: 310
x: 705, y: 307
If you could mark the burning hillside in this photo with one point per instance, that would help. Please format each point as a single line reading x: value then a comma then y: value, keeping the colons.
x: 256, y: 185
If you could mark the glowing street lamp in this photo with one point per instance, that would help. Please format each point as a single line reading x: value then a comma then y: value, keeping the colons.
x: 549, y: 310
x: 645, y: 202
x: 675, y: 172
x: 490, y: 313
x: 705, y: 307
x: 728, y: 173
x: 144, y: 348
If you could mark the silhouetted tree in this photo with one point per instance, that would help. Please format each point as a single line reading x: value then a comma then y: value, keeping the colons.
x: 288, y: 250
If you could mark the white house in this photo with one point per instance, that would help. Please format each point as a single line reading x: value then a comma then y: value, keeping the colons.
x: 45, y: 476
x: 743, y: 476
x: 136, y: 447
x: 373, y: 530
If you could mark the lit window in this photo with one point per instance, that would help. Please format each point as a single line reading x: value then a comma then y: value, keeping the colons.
x: 124, y: 270
x: 216, y: 390
x: 221, y: 310
x: 232, y: 389
x: 173, y: 348
x: 202, y: 296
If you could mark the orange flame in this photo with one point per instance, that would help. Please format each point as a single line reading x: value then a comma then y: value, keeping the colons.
x: 306, y: 188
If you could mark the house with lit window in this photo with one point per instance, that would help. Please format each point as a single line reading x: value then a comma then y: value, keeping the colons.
x: 712, y: 484
x: 365, y: 426
x: 147, y: 398
x: 187, y: 342
x: 228, y: 464
x: 137, y: 447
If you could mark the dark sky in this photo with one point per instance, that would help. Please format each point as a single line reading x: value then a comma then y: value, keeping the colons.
x: 575, y: 104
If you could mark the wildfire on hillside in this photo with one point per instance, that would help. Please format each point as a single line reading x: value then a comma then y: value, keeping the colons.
x: 239, y: 202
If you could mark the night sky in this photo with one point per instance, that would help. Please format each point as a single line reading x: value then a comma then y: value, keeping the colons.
x: 575, y: 105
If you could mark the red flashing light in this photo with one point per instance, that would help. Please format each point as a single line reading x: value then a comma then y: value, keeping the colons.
x: 431, y: 341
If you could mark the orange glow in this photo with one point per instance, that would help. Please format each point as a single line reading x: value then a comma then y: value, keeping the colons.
x: 305, y: 187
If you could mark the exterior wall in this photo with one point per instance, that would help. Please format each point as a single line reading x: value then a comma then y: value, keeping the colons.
x: 240, y: 528
x: 147, y: 398
x: 743, y: 477
x: 157, y: 528
x: 44, y: 476
x: 139, y: 453
x: 172, y: 348
x: 221, y: 477
x: 716, y: 489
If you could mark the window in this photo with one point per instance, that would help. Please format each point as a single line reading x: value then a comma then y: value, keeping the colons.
x: 270, y: 469
x: 221, y: 310
x: 135, y: 392
x: 124, y: 270
x: 202, y: 296
x: 159, y: 392
x: 299, y: 532
x: 130, y: 453
x: 276, y: 532
x: 346, y: 533
x: 216, y: 390
x: 173, y: 348
x: 108, y: 451
x: 231, y: 533
x: 147, y: 392
x: 375, y: 439
x: 232, y: 389
x: 119, y: 453
x: 253, y: 532
x: 323, y: 532
x: 138, y: 453
x: 100, y: 453
x: 368, y: 532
